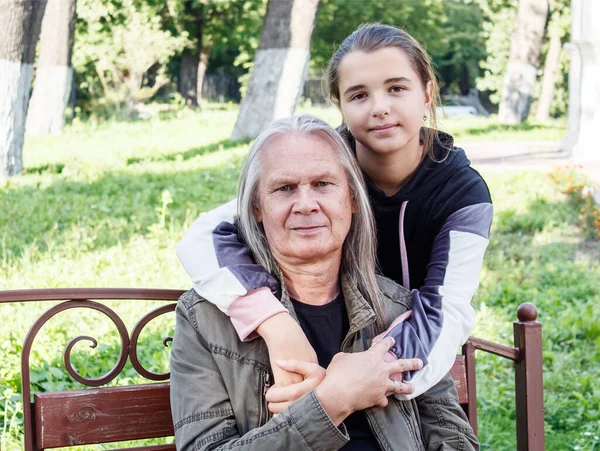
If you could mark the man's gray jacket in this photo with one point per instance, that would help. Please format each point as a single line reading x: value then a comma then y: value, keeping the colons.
x: 218, y: 386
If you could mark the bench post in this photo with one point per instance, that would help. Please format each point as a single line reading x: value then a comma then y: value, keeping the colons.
x: 529, y: 389
x: 468, y: 350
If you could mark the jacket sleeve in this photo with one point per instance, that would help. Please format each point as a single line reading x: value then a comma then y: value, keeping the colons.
x: 223, y: 271
x: 444, y: 424
x: 442, y: 316
x: 203, y: 416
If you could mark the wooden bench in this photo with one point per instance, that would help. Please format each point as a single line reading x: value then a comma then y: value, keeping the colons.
x: 135, y: 412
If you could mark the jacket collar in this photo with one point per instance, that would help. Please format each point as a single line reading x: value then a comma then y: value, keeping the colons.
x: 360, y: 312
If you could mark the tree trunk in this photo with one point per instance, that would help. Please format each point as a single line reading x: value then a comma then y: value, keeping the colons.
x: 54, y: 74
x: 280, y: 66
x: 202, y: 64
x: 20, y: 24
x: 547, y: 95
x: 521, y: 71
x: 191, y: 57
x: 188, y: 77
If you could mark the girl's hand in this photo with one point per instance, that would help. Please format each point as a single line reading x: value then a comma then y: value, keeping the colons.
x: 280, y: 397
x: 390, y: 356
x: 286, y: 341
x: 361, y: 380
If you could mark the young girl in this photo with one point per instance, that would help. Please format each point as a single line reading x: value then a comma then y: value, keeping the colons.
x: 433, y: 213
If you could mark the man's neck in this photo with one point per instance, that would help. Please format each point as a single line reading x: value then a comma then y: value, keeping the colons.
x: 390, y: 172
x: 315, y: 283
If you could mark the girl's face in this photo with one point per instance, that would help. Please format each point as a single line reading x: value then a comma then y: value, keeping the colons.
x: 382, y: 99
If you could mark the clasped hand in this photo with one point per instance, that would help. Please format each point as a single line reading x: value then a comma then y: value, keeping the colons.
x: 357, y: 380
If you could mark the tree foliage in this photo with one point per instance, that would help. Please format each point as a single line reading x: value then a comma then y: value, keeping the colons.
x: 450, y: 30
x: 122, y: 43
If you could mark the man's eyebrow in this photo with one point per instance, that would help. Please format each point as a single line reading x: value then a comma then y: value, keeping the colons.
x: 286, y: 180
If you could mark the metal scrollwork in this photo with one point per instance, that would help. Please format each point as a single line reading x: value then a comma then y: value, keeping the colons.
x: 135, y: 334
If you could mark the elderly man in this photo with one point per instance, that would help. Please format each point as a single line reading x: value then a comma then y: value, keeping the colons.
x: 305, y: 215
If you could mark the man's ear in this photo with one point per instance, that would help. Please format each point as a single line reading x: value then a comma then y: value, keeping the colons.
x: 257, y: 212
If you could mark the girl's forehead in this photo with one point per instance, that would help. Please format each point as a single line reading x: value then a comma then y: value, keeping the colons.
x: 379, y: 65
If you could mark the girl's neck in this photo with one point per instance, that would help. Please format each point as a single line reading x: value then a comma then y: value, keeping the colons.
x: 391, y: 171
x: 312, y: 283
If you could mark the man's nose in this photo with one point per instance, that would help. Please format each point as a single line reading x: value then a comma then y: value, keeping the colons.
x: 306, y: 200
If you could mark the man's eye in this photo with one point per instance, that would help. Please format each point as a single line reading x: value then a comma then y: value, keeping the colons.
x: 323, y: 183
x: 285, y: 188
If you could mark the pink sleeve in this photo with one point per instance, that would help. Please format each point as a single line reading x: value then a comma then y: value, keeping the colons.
x: 250, y: 311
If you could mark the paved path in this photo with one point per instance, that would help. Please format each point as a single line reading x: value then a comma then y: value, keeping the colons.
x: 526, y: 155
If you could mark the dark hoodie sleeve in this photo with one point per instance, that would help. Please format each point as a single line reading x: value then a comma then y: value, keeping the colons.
x: 442, y: 316
x: 218, y: 262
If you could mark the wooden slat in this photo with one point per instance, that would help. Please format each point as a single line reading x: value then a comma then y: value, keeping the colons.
x: 102, y: 415
x: 151, y: 448
x: 78, y: 294
x: 459, y: 374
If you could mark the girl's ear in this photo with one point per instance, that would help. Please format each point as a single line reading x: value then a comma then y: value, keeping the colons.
x: 428, y: 94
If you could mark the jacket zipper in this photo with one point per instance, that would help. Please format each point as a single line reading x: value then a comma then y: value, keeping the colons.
x: 264, y: 408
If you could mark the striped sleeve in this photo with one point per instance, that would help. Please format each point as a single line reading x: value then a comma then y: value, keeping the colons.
x: 223, y: 271
x: 442, y: 316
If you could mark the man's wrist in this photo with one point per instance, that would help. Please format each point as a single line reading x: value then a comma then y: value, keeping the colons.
x: 333, y: 402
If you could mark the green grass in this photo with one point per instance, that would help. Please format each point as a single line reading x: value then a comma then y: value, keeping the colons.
x: 104, y: 205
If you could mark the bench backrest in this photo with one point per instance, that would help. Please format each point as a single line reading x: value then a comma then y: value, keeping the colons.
x: 111, y: 414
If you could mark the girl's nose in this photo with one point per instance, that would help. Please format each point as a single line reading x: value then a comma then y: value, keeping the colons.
x: 381, y: 107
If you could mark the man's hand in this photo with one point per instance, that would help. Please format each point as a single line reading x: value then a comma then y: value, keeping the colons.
x: 286, y: 341
x: 361, y: 380
x: 280, y: 397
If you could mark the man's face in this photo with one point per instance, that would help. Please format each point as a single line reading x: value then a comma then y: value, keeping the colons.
x: 305, y: 204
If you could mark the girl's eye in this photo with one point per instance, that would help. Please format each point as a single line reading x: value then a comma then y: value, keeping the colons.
x: 397, y: 89
x: 358, y: 97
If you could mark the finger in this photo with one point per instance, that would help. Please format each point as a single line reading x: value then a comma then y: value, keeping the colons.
x: 403, y: 365
x: 277, y: 407
x: 383, y: 346
x: 287, y: 393
x: 398, y: 388
x: 301, y: 367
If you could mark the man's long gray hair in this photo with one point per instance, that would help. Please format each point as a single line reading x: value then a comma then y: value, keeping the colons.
x: 359, y: 249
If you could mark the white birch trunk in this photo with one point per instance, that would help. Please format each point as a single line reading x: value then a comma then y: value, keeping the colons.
x: 280, y: 66
x: 49, y: 100
x: 54, y: 75
x: 20, y: 23
x: 542, y: 113
x: 15, y: 81
x: 521, y: 71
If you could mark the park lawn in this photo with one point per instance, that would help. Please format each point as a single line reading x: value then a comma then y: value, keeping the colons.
x: 104, y: 205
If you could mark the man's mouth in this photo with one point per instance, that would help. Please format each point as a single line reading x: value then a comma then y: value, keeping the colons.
x: 307, y: 229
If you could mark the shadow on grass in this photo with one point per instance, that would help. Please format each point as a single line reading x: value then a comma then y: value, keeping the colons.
x: 191, y: 153
x: 495, y: 127
x: 56, y: 168
x: 108, y: 211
